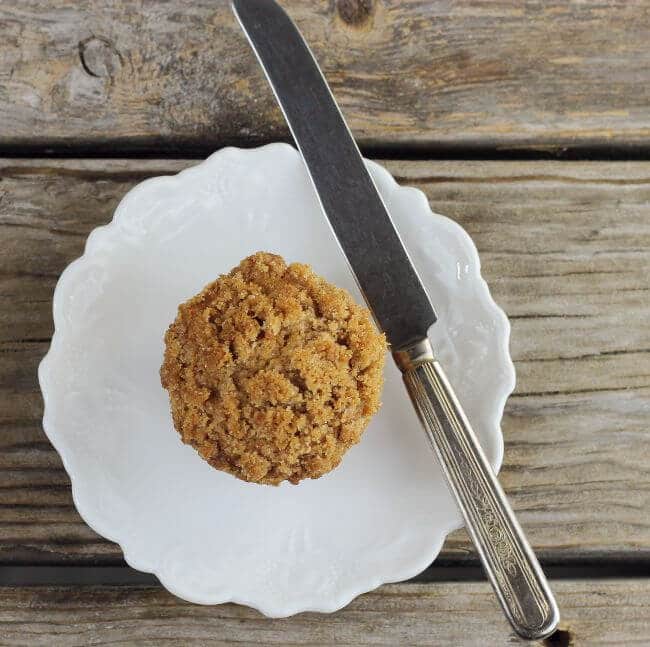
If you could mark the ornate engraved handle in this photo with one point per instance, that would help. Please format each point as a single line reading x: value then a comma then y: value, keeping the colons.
x: 507, y: 556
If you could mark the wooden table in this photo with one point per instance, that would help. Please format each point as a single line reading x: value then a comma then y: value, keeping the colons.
x: 527, y: 122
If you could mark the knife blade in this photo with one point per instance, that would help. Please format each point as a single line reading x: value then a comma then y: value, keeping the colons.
x: 347, y: 193
x: 394, y: 293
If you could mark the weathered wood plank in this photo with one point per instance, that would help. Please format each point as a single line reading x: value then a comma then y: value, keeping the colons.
x: 566, y: 250
x: 594, y: 612
x: 138, y: 75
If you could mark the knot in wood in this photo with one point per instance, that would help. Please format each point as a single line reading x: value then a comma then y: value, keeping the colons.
x: 99, y: 57
x: 354, y: 12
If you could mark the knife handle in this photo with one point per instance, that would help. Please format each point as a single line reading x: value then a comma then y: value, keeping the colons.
x: 507, y: 557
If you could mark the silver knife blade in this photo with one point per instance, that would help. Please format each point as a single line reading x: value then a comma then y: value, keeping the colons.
x: 347, y: 193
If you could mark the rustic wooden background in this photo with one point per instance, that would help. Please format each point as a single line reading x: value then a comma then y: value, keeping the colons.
x: 526, y: 121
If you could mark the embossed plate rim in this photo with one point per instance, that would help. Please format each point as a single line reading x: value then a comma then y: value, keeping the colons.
x: 401, y: 570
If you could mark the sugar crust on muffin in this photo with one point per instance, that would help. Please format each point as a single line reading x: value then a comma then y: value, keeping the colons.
x: 272, y: 372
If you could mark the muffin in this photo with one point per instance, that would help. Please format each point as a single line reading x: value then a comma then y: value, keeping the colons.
x: 272, y: 372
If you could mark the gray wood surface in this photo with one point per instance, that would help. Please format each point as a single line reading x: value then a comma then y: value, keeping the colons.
x: 566, y: 251
x: 565, y: 248
x: 117, y: 74
x: 595, y: 612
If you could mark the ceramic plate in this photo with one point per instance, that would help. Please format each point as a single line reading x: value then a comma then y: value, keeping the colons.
x: 381, y: 516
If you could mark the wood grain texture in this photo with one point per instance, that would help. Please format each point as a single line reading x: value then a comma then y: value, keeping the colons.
x: 121, y: 75
x: 566, y: 251
x: 594, y: 612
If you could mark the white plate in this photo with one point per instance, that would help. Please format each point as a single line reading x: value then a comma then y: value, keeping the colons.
x: 381, y: 516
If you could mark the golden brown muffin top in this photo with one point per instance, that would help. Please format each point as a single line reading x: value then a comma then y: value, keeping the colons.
x: 272, y: 372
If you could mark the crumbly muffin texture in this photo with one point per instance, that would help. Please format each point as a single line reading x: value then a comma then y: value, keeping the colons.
x: 272, y: 372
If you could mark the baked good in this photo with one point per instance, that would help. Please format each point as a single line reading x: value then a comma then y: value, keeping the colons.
x: 272, y: 372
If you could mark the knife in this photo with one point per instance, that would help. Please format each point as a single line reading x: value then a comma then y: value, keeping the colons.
x: 401, y: 307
